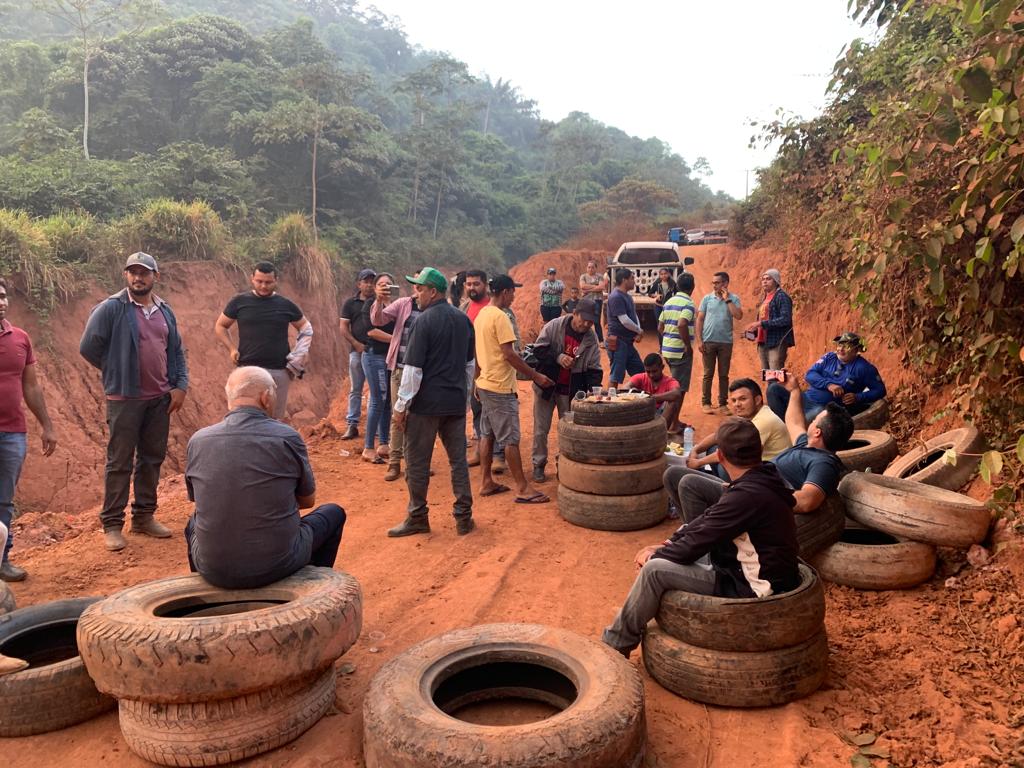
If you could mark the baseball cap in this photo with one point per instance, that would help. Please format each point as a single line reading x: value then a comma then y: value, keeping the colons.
x: 851, y: 338
x: 587, y: 309
x: 501, y: 283
x: 429, y: 276
x: 739, y: 441
x: 140, y: 259
x: 367, y: 274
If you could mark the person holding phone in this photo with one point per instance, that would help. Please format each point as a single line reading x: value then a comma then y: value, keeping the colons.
x: 375, y: 369
x: 715, y: 317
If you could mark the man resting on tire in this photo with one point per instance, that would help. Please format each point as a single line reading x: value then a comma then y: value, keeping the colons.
x: 739, y: 540
x: 249, y: 476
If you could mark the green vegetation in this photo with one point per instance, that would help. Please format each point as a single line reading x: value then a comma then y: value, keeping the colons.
x: 258, y: 110
x: 912, y: 180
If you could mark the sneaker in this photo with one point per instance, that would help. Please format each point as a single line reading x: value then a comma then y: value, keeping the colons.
x: 724, y: 410
x: 114, y: 540
x: 394, y: 472
x: 539, y: 476
x: 409, y: 527
x: 150, y: 527
x: 706, y: 408
x: 351, y: 433
x: 10, y: 572
x: 464, y: 525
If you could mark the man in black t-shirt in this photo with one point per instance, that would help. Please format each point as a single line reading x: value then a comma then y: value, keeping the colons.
x: 354, y: 326
x: 438, y: 367
x: 263, y: 317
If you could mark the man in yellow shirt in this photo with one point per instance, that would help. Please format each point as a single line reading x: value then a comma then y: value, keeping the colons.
x: 497, y: 363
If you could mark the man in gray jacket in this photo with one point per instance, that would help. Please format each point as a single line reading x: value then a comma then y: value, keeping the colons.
x: 568, y: 353
x: 132, y: 337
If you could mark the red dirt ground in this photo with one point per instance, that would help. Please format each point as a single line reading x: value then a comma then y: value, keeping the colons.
x: 934, y: 673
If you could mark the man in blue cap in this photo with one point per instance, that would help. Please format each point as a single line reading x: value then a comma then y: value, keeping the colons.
x: 439, y: 365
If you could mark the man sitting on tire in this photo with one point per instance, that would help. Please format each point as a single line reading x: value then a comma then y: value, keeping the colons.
x: 249, y: 476
x: 738, y: 540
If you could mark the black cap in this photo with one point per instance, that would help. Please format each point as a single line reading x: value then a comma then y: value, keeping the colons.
x: 367, y: 274
x: 501, y: 283
x: 739, y: 441
x: 587, y: 309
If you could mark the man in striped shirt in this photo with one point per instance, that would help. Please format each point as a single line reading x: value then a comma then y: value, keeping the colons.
x: 676, y: 327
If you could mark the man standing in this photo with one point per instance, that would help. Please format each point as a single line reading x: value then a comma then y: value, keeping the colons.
x: 263, y: 317
x: 567, y: 352
x: 132, y: 337
x: 497, y: 363
x: 439, y: 366
x: 677, y: 333
x: 354, y: 325
x: 18, y: 382
x: 593, y: 286
x: 714, y: 338
x: 476, y: 293
x: 624, y: 331
x: 664, y: 389
x: 551, y: 291
x: 773, y: 330
x: 249, y: 476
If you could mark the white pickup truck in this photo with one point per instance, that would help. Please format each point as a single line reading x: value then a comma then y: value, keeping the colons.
x: 647, y: 259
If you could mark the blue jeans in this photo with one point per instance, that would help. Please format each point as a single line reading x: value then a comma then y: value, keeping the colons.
x: 625, y: 359
x: 356, y: 379
x: 778, y: 401
x: 378, y: 380
x: 13, y: 446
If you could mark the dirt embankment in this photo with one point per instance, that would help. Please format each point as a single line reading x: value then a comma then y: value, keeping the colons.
x: 72, y: 479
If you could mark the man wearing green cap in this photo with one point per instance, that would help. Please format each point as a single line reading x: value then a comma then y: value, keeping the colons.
x: 440, y: 362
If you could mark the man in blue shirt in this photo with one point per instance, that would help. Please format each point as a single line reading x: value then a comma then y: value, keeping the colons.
x: 624, y: 331
x: 714, y: 338
x: 842, y: 377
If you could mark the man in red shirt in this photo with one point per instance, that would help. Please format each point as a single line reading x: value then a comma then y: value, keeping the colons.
x: 664, y: 389
x: 17, y: 382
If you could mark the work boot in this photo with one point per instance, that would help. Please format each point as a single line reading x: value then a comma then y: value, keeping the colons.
x: 394, y: 471
x: 150, y: 527
x: 10, y: 572
x: 538, y: 474
x: 351, y: 433
x: 464, y: 525
x: 114, y: 540
x: 9, y: 665
x: 409, y: 527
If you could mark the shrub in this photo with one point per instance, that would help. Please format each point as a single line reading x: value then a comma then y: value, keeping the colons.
x: 75, y: 237
x: 24, y: 251
x: 290, y: 246
x: 170, y: 229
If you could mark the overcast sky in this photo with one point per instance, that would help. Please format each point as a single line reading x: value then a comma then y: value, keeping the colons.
x: 690, y: 72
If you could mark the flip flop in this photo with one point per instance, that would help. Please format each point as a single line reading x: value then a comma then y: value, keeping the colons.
x: 537, y: 498
x: 496, y: 490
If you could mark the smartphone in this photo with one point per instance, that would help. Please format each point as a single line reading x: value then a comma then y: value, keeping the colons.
x: 767, y: 375
x: 395, y: 290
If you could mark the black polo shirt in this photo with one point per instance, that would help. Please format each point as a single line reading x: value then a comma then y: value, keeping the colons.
x: 441, y: 344
x: 263, y: 328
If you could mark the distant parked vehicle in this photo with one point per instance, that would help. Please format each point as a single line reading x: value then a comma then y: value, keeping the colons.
x: 716, y: 231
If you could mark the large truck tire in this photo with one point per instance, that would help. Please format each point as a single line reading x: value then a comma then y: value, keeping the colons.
x: 875, y: 416
x: 734, y: 678
x: 746, y: 624
x: 55, y: 691
x: 822, y: 527
x: 634, y: 444
x: 868, y: 559
x: 411, y: 710
x: 181, y: 639
x: 616, y: 413
x: 924, y: 464
x: 915, y: 511
x: 612, y: 513
x: 612, y: 479
x: 868, y: 449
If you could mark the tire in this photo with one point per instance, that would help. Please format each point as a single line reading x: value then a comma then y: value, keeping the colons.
x: 736, y: 679
x: 635, y: 444
x: 745, y: 624
x: 868, y: 449
x: 226, y: 730
x: 875, y: 416
x: 135, y: 647
x: 601, y: 697
x: 915, y: 511
x: 822, y: 527
x: 925, y: 464
x: 612, y: 479
x: 55, y: 691
x: 7, y: 603
x: 867, y: 559
x: 612, y: 513
x: 618, y: 413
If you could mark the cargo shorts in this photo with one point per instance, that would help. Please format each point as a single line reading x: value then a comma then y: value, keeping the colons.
x: 499, y: 416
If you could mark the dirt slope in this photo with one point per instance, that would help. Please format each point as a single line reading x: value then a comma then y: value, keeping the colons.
x: 934, y: 672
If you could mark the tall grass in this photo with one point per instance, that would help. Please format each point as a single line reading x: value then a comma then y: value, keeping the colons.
x: 26, y: 256
x: 173, y: 230
x: 290, y: 244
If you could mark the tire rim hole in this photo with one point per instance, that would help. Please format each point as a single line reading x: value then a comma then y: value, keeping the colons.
x: 867, y: 537
x: 43, y: 645
x: 197, y: 606
x: 504, y: 693
x: 853, y: 445
x: 927, y: 461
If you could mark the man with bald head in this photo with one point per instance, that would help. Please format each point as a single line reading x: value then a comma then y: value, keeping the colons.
x: 249, y: 476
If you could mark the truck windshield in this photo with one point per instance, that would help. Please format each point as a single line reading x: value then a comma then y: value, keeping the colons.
x: 648, y: 256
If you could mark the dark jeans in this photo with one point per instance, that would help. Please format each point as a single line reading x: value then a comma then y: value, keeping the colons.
x: 550, y: 313
x: 319, y: 539
x: 13, y: 446
x: 692, y: 491
x: 378, y: 380
x: 138, y: 434
x: 420, y: 433
x: 715, y: 355
x: 624, y: 360
x: 597, y: 326
x: 778, y: 400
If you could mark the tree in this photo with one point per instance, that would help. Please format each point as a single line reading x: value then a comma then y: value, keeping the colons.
x: 95, y: 22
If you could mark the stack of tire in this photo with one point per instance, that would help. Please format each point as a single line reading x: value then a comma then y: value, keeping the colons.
x: 207, y: 676
x: 610, y: 465
x: 900, y: 514
x: 756, y: 652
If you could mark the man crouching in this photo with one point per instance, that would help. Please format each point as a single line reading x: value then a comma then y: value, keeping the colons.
x: 743, y: 545
x: 249, y: 476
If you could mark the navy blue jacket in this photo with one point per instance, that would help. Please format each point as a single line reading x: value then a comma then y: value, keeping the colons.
x: 779, y: 324
x: 111, y: 343
x: 859, y: 377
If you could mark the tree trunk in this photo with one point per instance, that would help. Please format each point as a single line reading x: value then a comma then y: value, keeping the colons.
x: 415, y: 192
x: 85, y: 93
x: 487, y: 114
x: 437, y: 210
x: 316, y: 144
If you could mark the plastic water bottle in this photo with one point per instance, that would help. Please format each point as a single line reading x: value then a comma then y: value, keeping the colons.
x: 687, y: 441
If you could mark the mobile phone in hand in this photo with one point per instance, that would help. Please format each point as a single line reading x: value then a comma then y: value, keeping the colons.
x: 769, y: 375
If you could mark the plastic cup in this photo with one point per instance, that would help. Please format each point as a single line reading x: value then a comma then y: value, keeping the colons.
x: 612, y: 392
x: 595, y: 391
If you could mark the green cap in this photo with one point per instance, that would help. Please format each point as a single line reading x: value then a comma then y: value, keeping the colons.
x: 429, y: 276
x: 849, y: 338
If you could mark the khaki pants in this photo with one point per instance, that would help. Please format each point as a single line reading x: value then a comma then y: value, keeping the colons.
x: 773, y: 359
x: 543, y: 410
x: 716, y: 355
x: 397, y: 434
